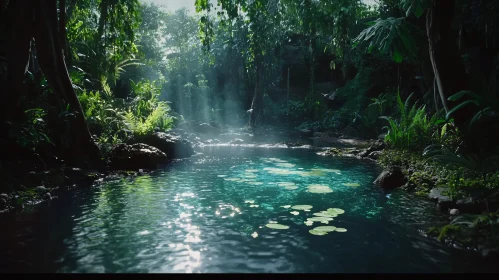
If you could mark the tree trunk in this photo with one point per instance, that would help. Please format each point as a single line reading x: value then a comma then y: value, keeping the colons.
x: 446, y: 61
x: 18, y: 45
x: 81, y: 146
x: 256, y: 103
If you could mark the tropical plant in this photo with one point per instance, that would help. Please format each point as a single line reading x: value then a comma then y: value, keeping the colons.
x: 412, y: 129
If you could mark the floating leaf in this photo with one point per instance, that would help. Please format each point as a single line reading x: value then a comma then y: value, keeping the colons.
x: 302, y: 207
x: 254, y: 206
x: 286, y: 206
x: 325, y: 228
x: 326, y: 214
x: 336, y: 211
x: 353, y: 185
x: 315, y: 232
x: 309, y: 223
x: 290, y: 188
x: 277, y: 226
x: 320, y: 219
x: 254, y: 234
x: 255, y: 183
x: 327, y: 170
x: 286, y: 165
x: 341, y: 230
x: 249, y: 201
x: 319, y: 189
x: 284, y: 184
x: 295, y: 213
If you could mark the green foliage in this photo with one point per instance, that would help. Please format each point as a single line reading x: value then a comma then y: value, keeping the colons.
x: 30, y: 133
x: 412, y: 129
x: 394, y: 35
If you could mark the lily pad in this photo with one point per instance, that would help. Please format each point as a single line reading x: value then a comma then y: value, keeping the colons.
x: 309, y: 223
x: 319, y: 189
x: 251, y: 170
x: 302, y: 207
x: 255, y: 183
x: 254, y: 234
x: 285, y: 165
x: 295, y: 213
x: 336, y: 211
x: 320, y: 219
x: 327, y: 170
x: 249, y: 201
x: 353, y: 185
x: 341, y: 230
x: 325, y: 228
x: 284, y: 184
x: 316, y: 232
x: 277, y: 226
x: 254, y: 206
x: 326, y: 214
x: 290, y: 188
x: 286, y: 206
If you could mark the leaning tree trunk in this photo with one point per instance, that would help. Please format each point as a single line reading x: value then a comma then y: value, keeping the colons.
x: 446, y: 61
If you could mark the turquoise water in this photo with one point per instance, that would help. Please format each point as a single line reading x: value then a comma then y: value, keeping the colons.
x: 209, y: 214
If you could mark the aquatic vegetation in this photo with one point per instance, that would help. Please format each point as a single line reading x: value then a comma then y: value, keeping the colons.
x: 353, y: 185
x: 254, y: 206
x: 249, y: 201
x: 315, y: 232
x: 340, y: 230
x: 254, y: 234
x: 251, y: 170
x: 286, y: 206
x: 319, y: 189
x: 325, y: 170
x: 295, y: 213
x: 337, y: 211
x: 326, y: 214
x: 308, y: 222
x: 320, y: 219
x: 325, y: 228
x: 285, y: 164
x: 302, y: 207
x: 277, y: 226
x: 255, y: 183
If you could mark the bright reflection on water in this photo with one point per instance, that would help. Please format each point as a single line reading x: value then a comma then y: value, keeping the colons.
x: 208, y: 214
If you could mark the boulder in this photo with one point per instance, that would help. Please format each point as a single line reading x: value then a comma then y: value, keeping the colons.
x: 454, y: 212
x: 390, y: 179
x: 172, y: 145
x: 136, y: 156
x: 374, y: 155
x: 444, y: 202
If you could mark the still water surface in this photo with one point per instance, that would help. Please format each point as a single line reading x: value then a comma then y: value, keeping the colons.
x: 209, y: 214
